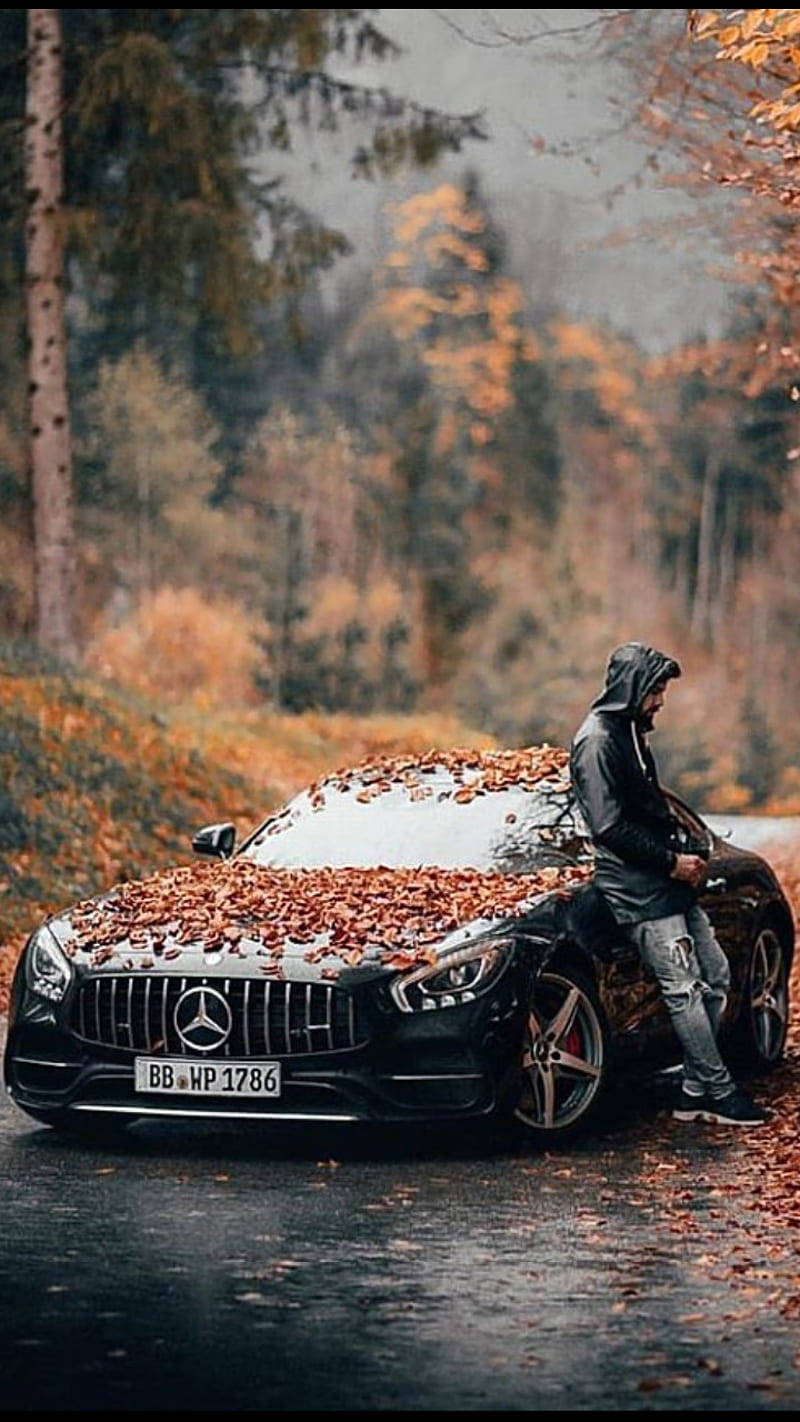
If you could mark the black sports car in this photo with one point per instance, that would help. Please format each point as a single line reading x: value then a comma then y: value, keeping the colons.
x: 415, y: 939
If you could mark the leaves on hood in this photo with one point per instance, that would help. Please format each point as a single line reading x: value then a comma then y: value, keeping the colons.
x: 403, y: 911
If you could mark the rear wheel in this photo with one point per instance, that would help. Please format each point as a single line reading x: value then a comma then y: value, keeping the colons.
x: 564, y: 1056
x: 764, y: 1016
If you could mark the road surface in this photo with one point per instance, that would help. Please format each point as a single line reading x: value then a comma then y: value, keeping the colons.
x: 195, y: 1268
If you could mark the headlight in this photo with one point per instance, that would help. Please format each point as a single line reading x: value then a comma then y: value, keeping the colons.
x: 457, y: 977
x: 47, y: 971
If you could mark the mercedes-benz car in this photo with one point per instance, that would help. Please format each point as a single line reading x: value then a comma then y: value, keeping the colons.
x: 413, y: 939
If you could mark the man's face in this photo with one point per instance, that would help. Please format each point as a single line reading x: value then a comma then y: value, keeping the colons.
x: 652, y: 703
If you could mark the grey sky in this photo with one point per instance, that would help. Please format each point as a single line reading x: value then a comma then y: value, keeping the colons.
x: 555, y: 212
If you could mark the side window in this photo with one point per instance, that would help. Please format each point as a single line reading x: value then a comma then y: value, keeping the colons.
x: 687, y: 818
x: 543, y: 829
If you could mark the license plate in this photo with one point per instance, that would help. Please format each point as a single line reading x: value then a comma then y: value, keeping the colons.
x: 179, y: 1077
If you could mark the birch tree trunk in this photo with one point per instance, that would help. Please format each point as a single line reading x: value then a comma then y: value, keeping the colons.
x: 49, y: 425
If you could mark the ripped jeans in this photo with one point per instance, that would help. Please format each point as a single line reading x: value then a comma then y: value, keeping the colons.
x: 694, y: 977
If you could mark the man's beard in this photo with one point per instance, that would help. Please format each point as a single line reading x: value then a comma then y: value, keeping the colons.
x: 645, y: 721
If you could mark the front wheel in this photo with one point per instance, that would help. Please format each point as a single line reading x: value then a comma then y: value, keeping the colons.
x: 564, y: 1056
x: 764, y: 1015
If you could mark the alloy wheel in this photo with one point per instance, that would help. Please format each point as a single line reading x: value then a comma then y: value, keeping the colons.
x: 563, y: 1055
x: 768, y: 995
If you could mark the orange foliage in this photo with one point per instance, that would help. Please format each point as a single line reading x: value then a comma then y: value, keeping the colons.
x: 468, y: 331
x: 757, y: 79
x: 763, y: 40
x: 610, y: 370
x: 178, y: 646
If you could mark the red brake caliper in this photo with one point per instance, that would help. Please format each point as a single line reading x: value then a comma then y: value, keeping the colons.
x: 574, y: 1042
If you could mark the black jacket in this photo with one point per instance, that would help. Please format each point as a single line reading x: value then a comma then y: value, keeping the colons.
x: 616, y: 786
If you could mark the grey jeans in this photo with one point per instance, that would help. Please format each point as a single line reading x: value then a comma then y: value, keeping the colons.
x: 694, y: 977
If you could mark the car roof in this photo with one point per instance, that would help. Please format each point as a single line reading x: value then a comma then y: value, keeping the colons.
x: 521, y: 768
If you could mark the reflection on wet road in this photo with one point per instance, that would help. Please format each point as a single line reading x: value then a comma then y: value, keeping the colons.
x: 191, y: 1268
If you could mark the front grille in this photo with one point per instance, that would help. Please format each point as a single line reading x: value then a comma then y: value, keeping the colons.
x: 269, y: 1019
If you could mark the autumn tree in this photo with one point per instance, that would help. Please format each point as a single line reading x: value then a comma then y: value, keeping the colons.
x: 756, y: 52
x: 723, y: 472
x: 148, y: 455
x: 340, y: 621
x: 458, y: 343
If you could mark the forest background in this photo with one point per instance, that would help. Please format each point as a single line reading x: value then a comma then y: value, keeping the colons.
x: 419, y: 502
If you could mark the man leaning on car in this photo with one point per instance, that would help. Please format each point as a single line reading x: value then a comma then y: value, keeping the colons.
x: 650, y: 877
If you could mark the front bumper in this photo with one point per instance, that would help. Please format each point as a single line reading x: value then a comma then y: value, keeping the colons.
x: 459, y: 1061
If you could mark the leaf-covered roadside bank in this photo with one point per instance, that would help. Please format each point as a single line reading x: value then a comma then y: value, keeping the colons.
x: 97, y: 787
x: 92, y: 791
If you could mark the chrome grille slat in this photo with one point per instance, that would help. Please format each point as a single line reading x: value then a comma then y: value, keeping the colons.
x: 309, y: 1039
x: 164, y: 992
x: 246, y: 1018
x: 282, y: 1019
x: 181, y: 1043
x: 267, y: 1032
x: 148, y: 985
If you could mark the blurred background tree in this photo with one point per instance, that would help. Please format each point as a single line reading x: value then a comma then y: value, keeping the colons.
x: 431, y: 490
x: 142, y: 189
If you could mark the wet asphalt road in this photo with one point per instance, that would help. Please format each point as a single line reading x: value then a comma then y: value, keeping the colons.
x: 191, y: 1268
x: 188, y: 1267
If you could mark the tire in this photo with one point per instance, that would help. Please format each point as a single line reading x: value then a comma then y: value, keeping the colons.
x: 565, y: 1056
x: 760, y: 1032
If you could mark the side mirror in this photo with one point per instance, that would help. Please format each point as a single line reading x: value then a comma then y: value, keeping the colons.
x: 215, y: 840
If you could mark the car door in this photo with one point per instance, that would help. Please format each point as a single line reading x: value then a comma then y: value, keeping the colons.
x: 632, y: 1001
x: 631, y: 994
x: 728, y: 897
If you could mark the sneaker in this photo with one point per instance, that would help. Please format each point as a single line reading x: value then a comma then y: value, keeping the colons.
x: 691, y: 1108
x: 735, y: 1109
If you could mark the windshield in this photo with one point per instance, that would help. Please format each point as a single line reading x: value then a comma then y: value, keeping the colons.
x: 514, y: 830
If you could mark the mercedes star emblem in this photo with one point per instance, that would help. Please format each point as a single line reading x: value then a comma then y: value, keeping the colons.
x: 202, y: 1019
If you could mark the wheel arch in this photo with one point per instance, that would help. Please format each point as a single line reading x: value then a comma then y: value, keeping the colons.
x: 567, y: 952
x: 778, y: 917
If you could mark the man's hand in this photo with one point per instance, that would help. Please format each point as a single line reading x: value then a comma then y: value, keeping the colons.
x: 691, y: 869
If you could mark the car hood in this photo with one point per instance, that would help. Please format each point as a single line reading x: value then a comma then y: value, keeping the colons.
x: 239, y: 919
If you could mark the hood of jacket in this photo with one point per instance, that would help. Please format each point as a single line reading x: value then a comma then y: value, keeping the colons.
x: 632, y: 671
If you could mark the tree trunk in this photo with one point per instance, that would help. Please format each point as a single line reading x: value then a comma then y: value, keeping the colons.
x: 701, y: 605
x: 50, y: 445
x: 727, y: 569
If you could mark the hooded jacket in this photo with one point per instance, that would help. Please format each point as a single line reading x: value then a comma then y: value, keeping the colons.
x: 617, y: 789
